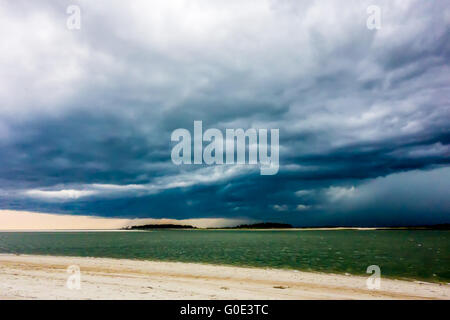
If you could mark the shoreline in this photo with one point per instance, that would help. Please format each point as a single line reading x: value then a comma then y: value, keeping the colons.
x: 244, y: 266
x: 44, y: 277
x: 234, y: 229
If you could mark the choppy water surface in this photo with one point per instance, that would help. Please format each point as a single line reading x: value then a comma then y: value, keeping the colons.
x: 413, y: 254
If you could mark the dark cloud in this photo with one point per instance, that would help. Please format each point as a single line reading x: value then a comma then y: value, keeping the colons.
x: 86, y: 116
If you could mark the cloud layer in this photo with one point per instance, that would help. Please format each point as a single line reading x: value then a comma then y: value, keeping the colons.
x: 86, y: 115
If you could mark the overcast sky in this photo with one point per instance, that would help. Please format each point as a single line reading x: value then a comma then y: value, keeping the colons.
x: 364, y: 115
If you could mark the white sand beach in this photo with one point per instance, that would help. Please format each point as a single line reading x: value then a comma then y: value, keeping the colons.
x: 45, y: 277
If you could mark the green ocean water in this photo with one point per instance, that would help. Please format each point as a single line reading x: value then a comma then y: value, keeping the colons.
x: 422, y: 255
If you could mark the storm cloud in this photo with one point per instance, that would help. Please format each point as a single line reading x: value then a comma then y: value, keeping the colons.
x: 364, y: 115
